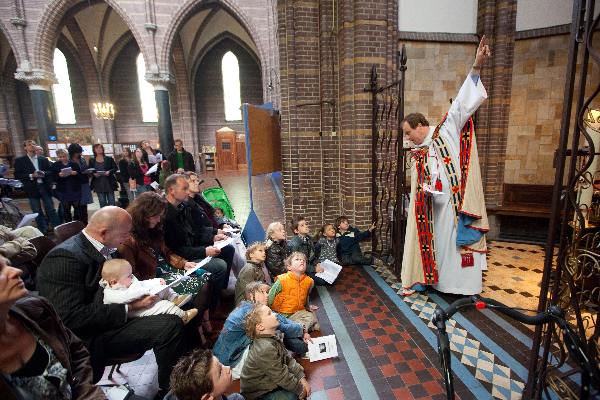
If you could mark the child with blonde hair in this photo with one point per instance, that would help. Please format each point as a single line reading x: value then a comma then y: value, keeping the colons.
x: 290, y: 292
x: 277, y: 249
x: 252, y: 271
x: 270, y: 371
x: 121, y: 287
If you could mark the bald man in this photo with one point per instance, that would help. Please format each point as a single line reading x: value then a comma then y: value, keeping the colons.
x: 69, y: 277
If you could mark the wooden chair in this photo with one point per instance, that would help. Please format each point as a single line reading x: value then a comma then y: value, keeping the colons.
x: 43, y: 245
x: 68, y: 229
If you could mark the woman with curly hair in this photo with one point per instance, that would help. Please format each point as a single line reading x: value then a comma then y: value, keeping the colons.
x: 151, y: 258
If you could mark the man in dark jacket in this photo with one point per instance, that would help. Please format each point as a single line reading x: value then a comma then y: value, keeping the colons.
x: 180, y: 235
x: 180, y: 159
x: 69, y: 278
x: 34, y: 172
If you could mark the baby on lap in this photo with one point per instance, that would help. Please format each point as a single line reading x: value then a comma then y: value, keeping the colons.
x: 121, y: 287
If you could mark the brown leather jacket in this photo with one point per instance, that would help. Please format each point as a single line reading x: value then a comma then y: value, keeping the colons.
x: 142, y: 259
x: 41, y: 319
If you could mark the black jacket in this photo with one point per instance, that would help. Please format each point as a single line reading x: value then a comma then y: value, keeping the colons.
x: 24, y: 167
x: 179, y: 233
x: 124, y: 170
x: 277, y: 252
x: 68, y: 184
x: 203, y: 230
x: 188, y: 161
x: 109, y: 165
x: 68, y: 277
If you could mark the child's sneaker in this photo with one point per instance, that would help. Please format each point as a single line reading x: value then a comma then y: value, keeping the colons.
x: 189, y: 315
x: 181, y: 300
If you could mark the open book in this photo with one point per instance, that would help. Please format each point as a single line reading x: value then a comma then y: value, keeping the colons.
x: 332, y: 270
x: 181, y: 278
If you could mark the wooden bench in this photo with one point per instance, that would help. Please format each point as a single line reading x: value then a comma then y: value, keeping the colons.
x: 521, y: 200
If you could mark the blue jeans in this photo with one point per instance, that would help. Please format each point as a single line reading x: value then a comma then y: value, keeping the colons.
x: 280, y: 394
x: 36, y: 207
x: 106, y: 198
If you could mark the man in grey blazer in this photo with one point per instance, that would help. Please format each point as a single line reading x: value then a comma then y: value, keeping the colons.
x: 69, y: 277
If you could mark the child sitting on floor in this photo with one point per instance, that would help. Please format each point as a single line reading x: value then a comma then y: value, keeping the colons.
x: 121, y: 287
x: 200, y: 376
x: 350, y: 238
x: 277, y: 249
x: 303, y: 243
x: 231, y: 347
x: 254, y: 270
x: 269, y: 371
x: 289, y: 294
x: 328, y: 243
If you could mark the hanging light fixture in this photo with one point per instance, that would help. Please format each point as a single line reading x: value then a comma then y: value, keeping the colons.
x: 104, y: 110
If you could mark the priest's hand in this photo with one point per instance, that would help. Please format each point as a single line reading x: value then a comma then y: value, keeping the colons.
x: 483, y: 53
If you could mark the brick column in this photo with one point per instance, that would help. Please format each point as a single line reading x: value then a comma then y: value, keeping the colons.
x: 497, y: 20
x: 326, y: 55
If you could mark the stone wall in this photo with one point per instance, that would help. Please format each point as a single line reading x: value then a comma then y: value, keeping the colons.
x: 536, y: 108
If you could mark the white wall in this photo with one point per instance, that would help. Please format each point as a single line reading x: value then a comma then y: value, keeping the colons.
x: 450, y: 16
x: 535, y: 14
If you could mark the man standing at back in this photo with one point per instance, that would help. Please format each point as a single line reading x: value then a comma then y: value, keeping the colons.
x: 69, y: 277
x: 180, y: 159
x: 445, y: 234
x: 33, y: 171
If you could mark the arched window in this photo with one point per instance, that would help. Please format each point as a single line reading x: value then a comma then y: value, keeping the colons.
x: 147, y: 99
x: 231, y: 87
x: 63, y: 98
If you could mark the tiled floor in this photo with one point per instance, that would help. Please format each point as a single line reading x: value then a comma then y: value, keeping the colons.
x: 387, y: 346
x: 386, y: 343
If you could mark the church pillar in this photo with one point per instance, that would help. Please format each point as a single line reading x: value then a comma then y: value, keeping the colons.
x: 497, y: 20
x: 327, y: 50
x: 165, y: 126
x: 40, y: 86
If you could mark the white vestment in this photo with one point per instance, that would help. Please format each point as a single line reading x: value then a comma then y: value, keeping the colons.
x: 452, y: 277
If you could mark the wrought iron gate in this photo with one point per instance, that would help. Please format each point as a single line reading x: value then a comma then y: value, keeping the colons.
x: 388, y: 167
x: 571, y: 276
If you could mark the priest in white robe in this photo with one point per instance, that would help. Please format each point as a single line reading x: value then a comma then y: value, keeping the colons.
x: 445, y: 235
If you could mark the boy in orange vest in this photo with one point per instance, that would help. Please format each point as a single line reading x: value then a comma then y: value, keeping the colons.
x: 289, y: 294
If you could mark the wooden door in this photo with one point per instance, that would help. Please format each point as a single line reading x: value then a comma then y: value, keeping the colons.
x: 226, y: 151
x: 242, y: 164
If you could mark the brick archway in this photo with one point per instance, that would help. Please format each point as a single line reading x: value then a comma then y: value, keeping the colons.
x: 181, y: 17
x: 11, y: 43
x: 47, y: 30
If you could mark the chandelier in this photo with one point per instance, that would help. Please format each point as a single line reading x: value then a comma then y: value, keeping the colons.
x: 104, y: 110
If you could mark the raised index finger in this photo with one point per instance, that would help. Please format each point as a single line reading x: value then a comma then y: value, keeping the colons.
x: 482, y: 43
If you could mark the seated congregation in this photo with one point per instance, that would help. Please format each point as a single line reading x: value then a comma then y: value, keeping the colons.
x: 115, y: 290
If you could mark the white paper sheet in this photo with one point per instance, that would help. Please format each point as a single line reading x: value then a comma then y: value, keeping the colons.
x: 155, y: 185
x: 27, y: 219
x: 230, y: 230
x: 322, y: 348
x: 152, y: 159
x: 152, y: 170
x: 332, y: 270
x: 67, y: 170
x: 222, y: 243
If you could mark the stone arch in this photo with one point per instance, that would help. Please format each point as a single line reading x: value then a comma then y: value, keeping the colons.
x: 183, y: 13
x: 11, y: 43
x: 212, y: 43
x: 47, y: 31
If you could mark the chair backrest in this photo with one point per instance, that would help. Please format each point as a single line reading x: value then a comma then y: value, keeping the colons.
x: 43, y: 245
x: 68, y: 229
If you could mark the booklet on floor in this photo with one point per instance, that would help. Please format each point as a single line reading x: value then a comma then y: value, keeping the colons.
x: 331, y: 271
x: 322, y: 347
